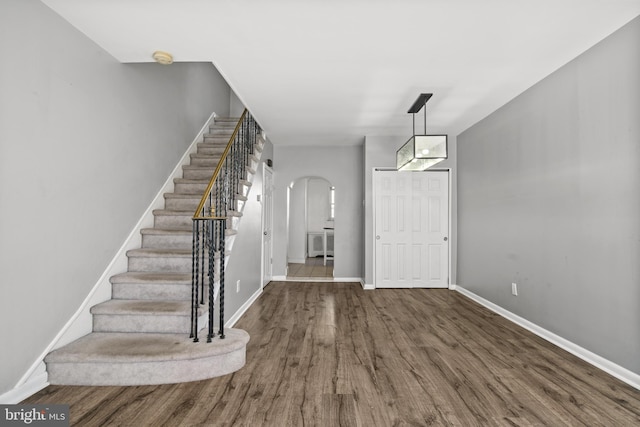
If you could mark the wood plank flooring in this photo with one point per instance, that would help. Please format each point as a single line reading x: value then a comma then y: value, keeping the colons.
x: 312, y: 269
x: 331, y: 354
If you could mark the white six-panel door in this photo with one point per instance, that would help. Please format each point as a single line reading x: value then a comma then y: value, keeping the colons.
x: 411, y: 229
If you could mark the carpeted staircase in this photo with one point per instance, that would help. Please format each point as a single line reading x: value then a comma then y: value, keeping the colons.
x: 141, y: 335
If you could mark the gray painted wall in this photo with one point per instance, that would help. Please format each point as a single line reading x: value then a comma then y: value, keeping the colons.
x: 342, y: 167
x: 246, y: 254
x: 380, y: 152
x: 549, y: 198
x: 85, y: 144
x: 297, y: 242
x: 236, y: 107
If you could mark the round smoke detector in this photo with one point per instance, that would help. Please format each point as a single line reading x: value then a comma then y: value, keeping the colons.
x: 162, y: 57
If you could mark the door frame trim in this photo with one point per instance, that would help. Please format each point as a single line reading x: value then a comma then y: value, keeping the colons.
x: 265, y: 169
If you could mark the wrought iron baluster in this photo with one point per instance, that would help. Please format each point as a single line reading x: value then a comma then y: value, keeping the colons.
x: 210, y: 224
x: 223, y: 225
x: 212, y: 250
x: 194, y: 280
x: 202, y: 256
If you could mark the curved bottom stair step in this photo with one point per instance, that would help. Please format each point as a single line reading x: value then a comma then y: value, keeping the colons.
x: 145, y: 359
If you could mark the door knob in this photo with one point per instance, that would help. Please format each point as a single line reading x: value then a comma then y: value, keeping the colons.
x: 265, y: 233
x: 445, y: 239
x: 377, y: 237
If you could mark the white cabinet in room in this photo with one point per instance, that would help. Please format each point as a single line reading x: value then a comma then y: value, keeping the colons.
x: 315, y: 244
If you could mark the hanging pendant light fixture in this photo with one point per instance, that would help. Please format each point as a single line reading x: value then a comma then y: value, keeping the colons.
x: 421, y: 151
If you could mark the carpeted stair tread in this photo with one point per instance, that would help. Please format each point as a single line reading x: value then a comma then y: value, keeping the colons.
x: 151, y: 277
x: 179, y: 229
x: 191, y: 181
x: 151, y: 285
x: 173, y: 231
x: 159, y: 252
x: 118, y: 347
x: 225, y: 124
x: 183, y: 196
x: 210, y: 138
x: 163, y: 252
x: 215, y: 147
x: 220, y: 119
x: 197, y: 172
x: 205, y: 156
x: 173, y: 212
x: 221, y: 131
x: 186, y: 196
x: 142, y: 307
x: 198, y: 167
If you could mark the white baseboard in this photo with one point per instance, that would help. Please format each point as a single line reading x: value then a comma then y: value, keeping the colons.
x: 236, y: 316
x: 81, y: 322
x: 348, y: 279
x: 317, y: 279
x: 613, y: 369
x: 368, y: 286
x: 36, y: 382
x: 296, y: 260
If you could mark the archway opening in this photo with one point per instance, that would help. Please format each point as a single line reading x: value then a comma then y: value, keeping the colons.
x: 310, y: 229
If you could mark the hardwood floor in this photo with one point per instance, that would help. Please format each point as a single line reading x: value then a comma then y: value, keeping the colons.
x: 331, y: 354
x: 312, y: 269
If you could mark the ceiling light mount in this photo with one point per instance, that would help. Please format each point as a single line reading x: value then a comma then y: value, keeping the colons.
x: 421, y: 151
x: 163, y: 58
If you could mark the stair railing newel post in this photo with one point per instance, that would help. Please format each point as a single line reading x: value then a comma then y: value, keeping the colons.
x: 210, y: 225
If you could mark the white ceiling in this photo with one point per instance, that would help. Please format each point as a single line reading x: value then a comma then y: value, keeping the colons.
x: 330, y: 72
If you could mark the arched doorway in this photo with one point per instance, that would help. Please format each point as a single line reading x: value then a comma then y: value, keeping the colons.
x: 310, y: 229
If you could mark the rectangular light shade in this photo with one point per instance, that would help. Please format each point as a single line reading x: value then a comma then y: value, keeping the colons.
x: 421, y: 152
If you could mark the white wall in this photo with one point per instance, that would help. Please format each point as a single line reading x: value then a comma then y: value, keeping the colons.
x: 549, y: 197
x: 380, y: 152
x: 236, y: 107
x: 297, y: 248
x: 342, y: 166
x: 318, y: 207
x: 85, y: 144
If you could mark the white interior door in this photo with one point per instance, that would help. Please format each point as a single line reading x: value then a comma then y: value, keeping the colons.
x: 267, y: 224
x: 411, y: 229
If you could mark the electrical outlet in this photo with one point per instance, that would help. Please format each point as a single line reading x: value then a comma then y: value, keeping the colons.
x: 514, y: 289
x: 238, y: 286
